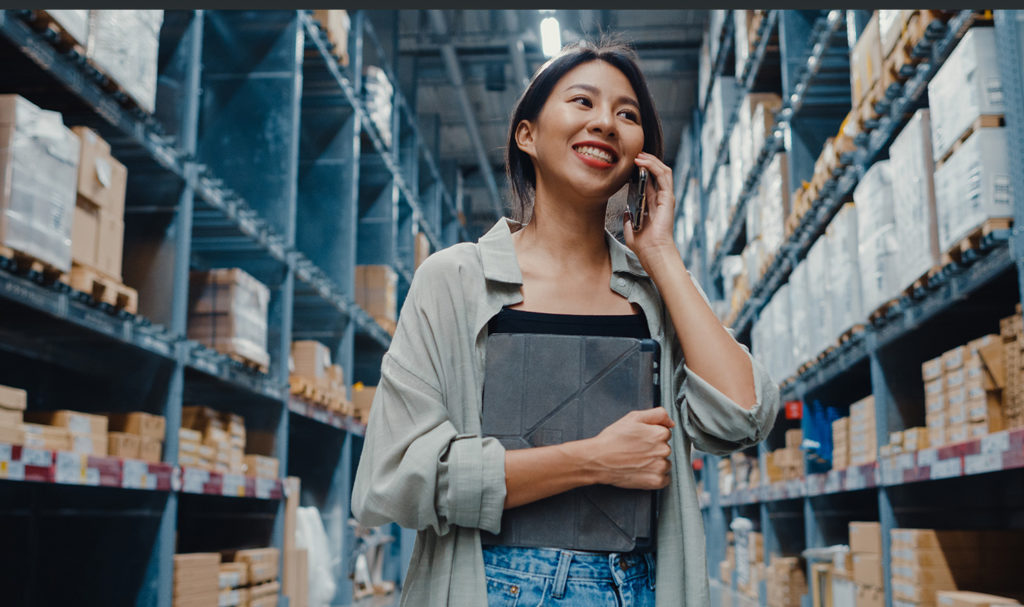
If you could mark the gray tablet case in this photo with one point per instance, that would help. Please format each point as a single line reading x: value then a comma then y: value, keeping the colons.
x: 549, y: 389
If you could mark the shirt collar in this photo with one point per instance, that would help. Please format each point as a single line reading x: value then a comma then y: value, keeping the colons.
x: 498, y: 254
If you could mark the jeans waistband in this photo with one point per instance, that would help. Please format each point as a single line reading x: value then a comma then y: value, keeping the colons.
x: 556, y: 562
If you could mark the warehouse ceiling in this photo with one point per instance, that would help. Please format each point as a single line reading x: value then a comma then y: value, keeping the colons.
x: 485, y: 45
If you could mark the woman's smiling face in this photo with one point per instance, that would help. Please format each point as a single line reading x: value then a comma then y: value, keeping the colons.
x: 587, y: 134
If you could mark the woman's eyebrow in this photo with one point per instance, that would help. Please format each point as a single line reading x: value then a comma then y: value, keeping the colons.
x: 596, y: 91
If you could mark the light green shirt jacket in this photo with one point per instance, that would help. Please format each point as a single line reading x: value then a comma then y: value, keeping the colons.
x: 425, y: 466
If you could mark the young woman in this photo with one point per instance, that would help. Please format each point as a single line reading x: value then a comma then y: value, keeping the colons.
x: 584, y: 124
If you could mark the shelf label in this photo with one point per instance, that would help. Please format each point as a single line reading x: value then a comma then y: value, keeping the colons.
x: 996, y: 443
x: 233, y: 485
x: 136, y: 475
x: 194, y: 479
x: 855, y: 479
x: 14, y: 471
x: 36, y: 457
x: 927, y: 457
x: 264, y: 486
x: 71, y: 468
x: 5, y: 453
x: 947, y: 468
x: 983, y: 462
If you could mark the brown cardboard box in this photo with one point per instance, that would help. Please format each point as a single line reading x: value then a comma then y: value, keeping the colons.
x: 137, y: 422
x: 89, y: 444
x: 111, y: 246
x: 867, y: 569
x: 85, y: 234
x: 870, y: 596
x: 336, y: 25
x: 931, y: 369
x: 233, y: 575
x: 362, y: 399
x: 915, y: 439
x: 311, y: 359
x: 953, y: 598
x: 954, y: 359
x: 81, y: 423
x: 123, y: 444
x: 954, y: 378
x: 376, y: 287
x: 12, y: 435
x: 865, y: 61
x: 261, y: 466
x: 935, y: 539
x: 150, y: 449
x: 794, y: 437
x: 50, y: 438
x: 11, y: 417
x: 957, y: 433
x: 13, y: 398
x: 421, y: 249
x: 937, y: 436
x: 102, y: 180
x: 865, y: 537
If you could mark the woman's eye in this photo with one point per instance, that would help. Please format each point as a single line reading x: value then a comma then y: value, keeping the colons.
x: 630, y: 115
x: 581, y: 101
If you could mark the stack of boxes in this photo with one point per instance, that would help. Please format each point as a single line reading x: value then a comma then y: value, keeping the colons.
x: 906, y: 441
x: 362, y: 400
x: 75, y: 23
x: 956, y: 598
x: 196, y: 581
x: 12, y: 415
x: 866, y: 65
x: 750, y: 565
x: 336, y: 24
x: 378, y: 94
x: 66, y: 431
x: 972, y: 181
x: 136, y: 435
x: 211, y: 440
x: 841, y: 443
x: 727, y: 568
x: 914, y: 198
x: 927, y: 561
x: 866, y: 554
x: 1011, y: 329
x: 376, y: 293
x: 787, y: 581
x: 745, y: 470
x: 233, y: 578
x: 261, y: 567
x: 787, y: 463
x: 261, y: 466
x: 863, y: 438
x: 315, y: 377
x: 123, y: 45
x: 228, y: 312
x: 878, y: 246
x: 38, y: 169
x: 963, y: 396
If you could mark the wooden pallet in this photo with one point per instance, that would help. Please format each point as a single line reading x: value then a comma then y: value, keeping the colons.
x: 883, y: 310
x: 63, y: 40
x: 23, y: 263
x: 248, y: 362
x: 973, y: 239
x: 851, y: 333
x: 923, y: 281
x: 985, y: 121
x: 103, y: 289
x: 865, y: 110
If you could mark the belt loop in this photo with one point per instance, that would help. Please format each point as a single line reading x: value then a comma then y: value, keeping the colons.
x: 561, y: 574
x: 651, y: 577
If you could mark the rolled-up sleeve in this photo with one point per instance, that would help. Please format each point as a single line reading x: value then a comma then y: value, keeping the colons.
x: 714, y: 422
x: 416, y: 468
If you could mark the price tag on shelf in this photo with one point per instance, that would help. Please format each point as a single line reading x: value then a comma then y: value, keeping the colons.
x: 233, y: 485
x: 136, y: 475
x: 194, y: 480
x: 92, y: 477
x: 264, y: 486
x: 981, y: 463
x: 12, y: 471
x: 36, y: 457
x: 996, y: 443
x: 71, y: 468
x: 947, y: 468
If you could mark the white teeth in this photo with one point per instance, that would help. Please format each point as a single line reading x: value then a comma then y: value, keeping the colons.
x: 595, y: 153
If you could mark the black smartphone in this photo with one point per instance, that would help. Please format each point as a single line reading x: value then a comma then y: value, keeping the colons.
x: 636, y: 198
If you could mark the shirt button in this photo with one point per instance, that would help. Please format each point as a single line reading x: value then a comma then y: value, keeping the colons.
x: 621, y: 282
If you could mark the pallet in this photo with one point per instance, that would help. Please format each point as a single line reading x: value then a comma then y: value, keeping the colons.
x: 985, y: 121
x: 923, y: 281
x: 23, y: 263
x: 247, y: 362
x: 60, y: 38
x: 852, y: 333
x: 103, y: 289
x: 865, y: 110
x: 883, y: 310
x: 973, y: 240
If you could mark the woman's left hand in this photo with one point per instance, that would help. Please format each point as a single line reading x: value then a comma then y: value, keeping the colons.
x: 655, y: 238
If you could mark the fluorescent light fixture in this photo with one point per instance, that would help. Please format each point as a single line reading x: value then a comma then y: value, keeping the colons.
x: 550, y: 36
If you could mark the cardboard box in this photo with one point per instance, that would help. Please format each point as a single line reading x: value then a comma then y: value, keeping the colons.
x: 12, y: 435
x: 421, y: 249
x: 138, y: 422
x: 336, y: 25
x: 261, y: 466
x: 867, y: 569
x: 38, y: 174
x: 150, y: 449
x: 865, y: 61
x: 11, y: 417
x: 188, y: 435
x: 376, y: 291
x: 954, y: 359
x: 362, y: 399
x: 13, y: 398
x: 936, y: 436
x: 123, y: 444
x: 311, y: 359
x: 75, y: 421
x: 123, y: 44
x: 102, y: 179
x: 89, y: 444
x: 794, y: 437
x: 85, y: 234
x: 75, y: 23
x: 915, y: 214
x: 931, y: 369
x: 228, y: 312
x: 870, y: 596
x: 50, y: 438
x: 865, y: 537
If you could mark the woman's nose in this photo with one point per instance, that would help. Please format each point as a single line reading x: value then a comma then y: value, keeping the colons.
x: 603, y: 123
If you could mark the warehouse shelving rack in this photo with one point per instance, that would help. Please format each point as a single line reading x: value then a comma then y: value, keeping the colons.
x: 960, y: 485
x: 260, y: 155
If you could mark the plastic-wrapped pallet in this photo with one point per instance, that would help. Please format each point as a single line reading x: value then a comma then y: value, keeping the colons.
x: 228, y: 312
x: 973, y: 185
x: 914, y: 198
x: 753, y: 260
x: 723, y: 184
x: 691, y: 211
x: 708, y: 146
x: 716, y: 23
x: 724, y: 97
x: 968, y: 85
x: 799, y: 301
x: 774, y: 207
x: 741, y: 43
x: 756, y: 118
x: 844, y: 269
x: 123, y: 44
x: 819, y: 270
x: 38, y: 181
x: 782, y: 333
x: 738, y: 169
x: 704, y: 69
x: 379, y: 94
x: 74, y: 22
x: 876, y: 235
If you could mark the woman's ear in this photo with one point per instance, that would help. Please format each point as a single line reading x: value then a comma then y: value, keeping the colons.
x: 524, y: 137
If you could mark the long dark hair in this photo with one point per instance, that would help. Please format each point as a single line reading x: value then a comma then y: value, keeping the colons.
x: 518, y: 164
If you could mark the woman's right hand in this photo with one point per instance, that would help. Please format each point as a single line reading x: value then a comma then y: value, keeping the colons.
x: 633, y: 452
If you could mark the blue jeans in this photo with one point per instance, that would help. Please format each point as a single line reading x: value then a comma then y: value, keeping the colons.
x: 531, y: 577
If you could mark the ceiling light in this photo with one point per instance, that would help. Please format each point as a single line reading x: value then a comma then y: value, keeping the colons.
x: 550, y: 36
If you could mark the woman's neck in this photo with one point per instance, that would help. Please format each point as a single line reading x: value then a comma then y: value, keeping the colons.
x: 566, y: 235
